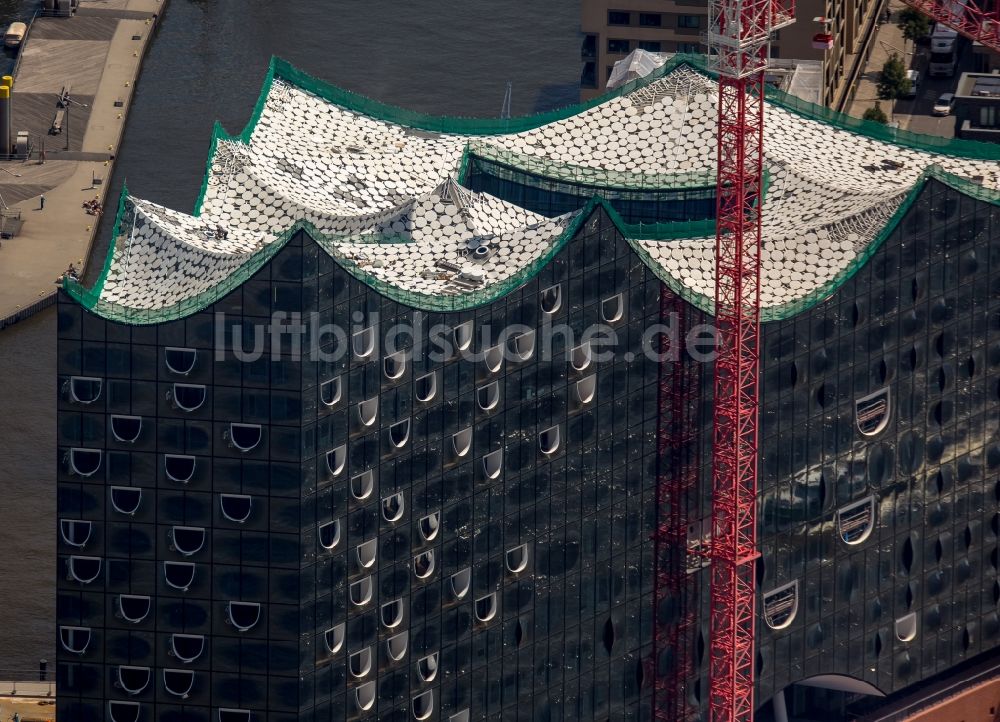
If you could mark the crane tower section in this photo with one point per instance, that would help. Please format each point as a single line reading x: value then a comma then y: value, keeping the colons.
x: 739, y: 39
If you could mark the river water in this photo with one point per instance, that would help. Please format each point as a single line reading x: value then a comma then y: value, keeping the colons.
x: 208, y: 62
x: 447, y: 58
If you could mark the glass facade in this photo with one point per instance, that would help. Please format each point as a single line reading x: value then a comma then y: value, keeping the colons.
x: 374, y: 532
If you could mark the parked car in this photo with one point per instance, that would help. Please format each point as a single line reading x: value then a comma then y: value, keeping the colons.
x: 944, y: 104
x: 914, y: 78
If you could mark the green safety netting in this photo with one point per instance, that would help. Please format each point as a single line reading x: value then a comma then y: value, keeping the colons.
x: 634, y: 233
x: 280, y: 69
x: 578, y: 175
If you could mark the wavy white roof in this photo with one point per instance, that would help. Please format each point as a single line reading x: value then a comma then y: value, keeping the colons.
x: 384, y: 196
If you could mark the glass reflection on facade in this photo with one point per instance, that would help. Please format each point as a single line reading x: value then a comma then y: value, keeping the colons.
x: 390, y: 536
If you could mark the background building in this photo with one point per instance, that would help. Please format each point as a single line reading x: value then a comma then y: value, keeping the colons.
x: 612, y: 30
x: 977, y: 107
x: 459, y: 527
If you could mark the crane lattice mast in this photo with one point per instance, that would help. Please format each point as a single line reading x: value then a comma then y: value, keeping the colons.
x: 739, y: 41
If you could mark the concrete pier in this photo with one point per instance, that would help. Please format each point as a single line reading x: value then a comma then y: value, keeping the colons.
x: 97, y: 55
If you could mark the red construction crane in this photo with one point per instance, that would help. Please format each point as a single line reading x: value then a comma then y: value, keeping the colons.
x: 739, y: 34
x: 965, y: 17
x: 739, y: 39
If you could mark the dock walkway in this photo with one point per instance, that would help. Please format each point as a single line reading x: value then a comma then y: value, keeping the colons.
x: 98, y: 54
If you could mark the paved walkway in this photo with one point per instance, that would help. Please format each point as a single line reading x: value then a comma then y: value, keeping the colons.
x: 888, y: 40
x: 37, y: 709
x: 60, y: 234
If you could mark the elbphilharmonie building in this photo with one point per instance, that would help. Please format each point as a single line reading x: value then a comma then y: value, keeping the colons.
x: 411, y: 418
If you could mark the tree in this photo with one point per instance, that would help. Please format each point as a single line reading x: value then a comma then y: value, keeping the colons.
x: 914, y: 24
x: 876, y: 114
x: 893, y: 83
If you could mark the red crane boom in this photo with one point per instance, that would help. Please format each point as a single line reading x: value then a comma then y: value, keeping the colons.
x: 966, y: 18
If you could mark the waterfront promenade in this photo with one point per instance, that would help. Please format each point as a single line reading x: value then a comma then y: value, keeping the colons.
x: 97, y: 53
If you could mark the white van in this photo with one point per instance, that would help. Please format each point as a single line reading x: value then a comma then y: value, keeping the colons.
x: 914, y: 78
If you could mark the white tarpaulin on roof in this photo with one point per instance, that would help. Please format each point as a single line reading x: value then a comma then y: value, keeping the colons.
x: 637, y: 64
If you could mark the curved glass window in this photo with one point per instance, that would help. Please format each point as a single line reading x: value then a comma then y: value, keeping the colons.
x: 393, y: 507
x: 423, y: 564
x: 361, y: 592
x: 334, y: 638
x: 394, y: 365
x: 423, y: 705
x: 781, y: 605
x: 133, y: 608
x: 188, y: 397
x: 363, y: 342
x: 362, y: 485
x: 75, y: 532
x: 427, y: 667
x: 548, y: 440
x: 906, y: 627
x: 366, y: 553
x: 429, y: 525
x: 517, y: 559
x: 187, y: 540
x: 368, y: 411
x: 84, y: 569
x: 85, y: 389
x: 85, y: 462
x: 395, y: 646
x: 486, y: 607
x: 179, y: 467
x: 612, y: 309
x: 235, y: 507
x: 856, y: 521
x: 180, y: 360
x: 329, y: 534
x: 243, y: 615
x: 462, y: 716
x: 872, y: 412
x: 364, y: 696
x: 234, y: 715
x: 187, y: 647
x: 126, y: 429
x: 244, y: 437
x: 399, y: 434
x: 126, y: 499
x: 133, y: 680
x: 178, y: 682
x: 119, y: 711
x: 585, y: 389
x: 392, y: 613
x: 523, y: 345
x: 179, y: 575
x: 461, y: 442
x: 550, y: 299
x: 425, y: 387
x: 488, y: 396
x: 74, y: 640
x: 360, y: 663
x: 462, y: 335
x: 493, y: 358
x: 331, y: 391
x: 580, y: 357
x: 493, y: 464
x: 460, y: 583
x: 336, y: 460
